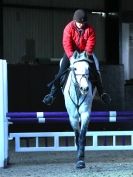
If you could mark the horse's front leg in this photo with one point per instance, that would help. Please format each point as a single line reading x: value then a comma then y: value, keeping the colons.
x: 82, y: 142
x: 81, y: 149
x: 76, y: 128
x: 77, y: 133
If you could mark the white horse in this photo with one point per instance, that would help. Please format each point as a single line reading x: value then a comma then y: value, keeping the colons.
x: 78, y: 95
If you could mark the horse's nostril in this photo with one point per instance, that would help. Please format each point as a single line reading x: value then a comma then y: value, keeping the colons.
x: 87, y: 88
x: 84, y: 89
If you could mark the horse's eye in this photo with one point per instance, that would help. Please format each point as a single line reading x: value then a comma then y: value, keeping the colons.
x: 75, y: 69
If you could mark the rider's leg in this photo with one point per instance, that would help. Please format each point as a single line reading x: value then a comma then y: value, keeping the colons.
x: 55, y: 84
x: 95, y: 71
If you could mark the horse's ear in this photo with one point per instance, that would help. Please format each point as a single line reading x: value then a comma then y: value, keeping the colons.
x: 85, y: 54
x: 74, y: 57
x: 75, y: 54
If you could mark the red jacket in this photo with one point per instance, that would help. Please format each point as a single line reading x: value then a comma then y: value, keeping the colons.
x: 73, y: 40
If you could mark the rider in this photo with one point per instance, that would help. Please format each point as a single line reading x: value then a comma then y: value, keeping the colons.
x: 78, y: 36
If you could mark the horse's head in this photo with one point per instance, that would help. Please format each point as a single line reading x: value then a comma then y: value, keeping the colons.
x: 80, y: 70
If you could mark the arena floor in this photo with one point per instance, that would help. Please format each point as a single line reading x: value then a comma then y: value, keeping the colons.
x: 62, y: 164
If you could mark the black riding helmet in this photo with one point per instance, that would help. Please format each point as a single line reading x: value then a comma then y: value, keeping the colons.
x: 80, y: 16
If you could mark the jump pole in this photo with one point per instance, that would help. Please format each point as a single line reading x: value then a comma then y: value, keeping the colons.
x: 3, y: 111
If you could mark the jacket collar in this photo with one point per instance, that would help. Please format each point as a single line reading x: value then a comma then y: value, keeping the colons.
x: 79, y: 30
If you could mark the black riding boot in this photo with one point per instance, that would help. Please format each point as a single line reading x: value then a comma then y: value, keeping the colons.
x: 103, y: 95
x: 98, y: 82
x: 55, y: 84
x: 48, y: 99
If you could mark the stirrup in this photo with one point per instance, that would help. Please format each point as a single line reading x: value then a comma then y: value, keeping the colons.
x: 48, y: 99
x: 106, y: 98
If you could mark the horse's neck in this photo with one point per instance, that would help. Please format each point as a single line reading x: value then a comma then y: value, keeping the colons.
x: 67, y: 86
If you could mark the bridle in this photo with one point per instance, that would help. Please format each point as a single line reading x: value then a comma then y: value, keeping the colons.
x: 78, y: 89
x: 83, y: 76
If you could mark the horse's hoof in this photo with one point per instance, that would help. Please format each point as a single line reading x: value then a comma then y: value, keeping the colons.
x: 80, y: 164
x: 48, y: 100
